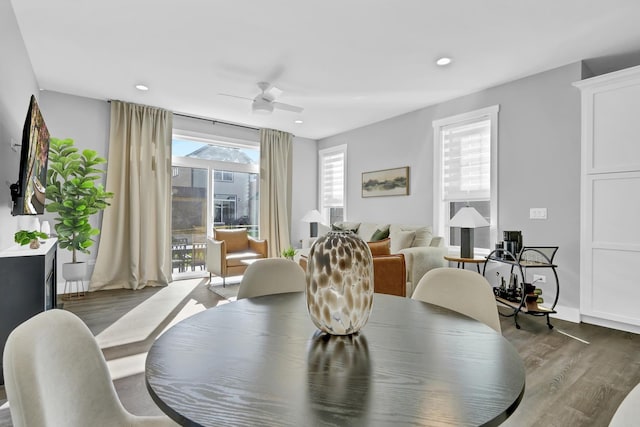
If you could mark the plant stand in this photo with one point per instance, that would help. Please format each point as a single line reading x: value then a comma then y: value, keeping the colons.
x: 73, y: 290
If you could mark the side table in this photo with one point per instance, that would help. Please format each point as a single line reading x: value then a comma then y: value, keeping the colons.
x: 463, y: 261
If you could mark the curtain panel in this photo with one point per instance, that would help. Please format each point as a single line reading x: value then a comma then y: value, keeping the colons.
x: 135, y: 242
x: 275, y: 189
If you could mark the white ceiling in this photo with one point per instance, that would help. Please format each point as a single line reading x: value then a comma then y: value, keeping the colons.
x: 348, y: 63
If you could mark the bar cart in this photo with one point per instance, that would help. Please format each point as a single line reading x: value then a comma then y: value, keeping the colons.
x: 523, y: 296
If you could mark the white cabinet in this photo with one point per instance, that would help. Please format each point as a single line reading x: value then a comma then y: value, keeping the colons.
x: 610, y: 200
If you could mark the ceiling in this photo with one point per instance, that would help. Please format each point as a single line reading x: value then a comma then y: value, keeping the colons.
x: 348, y: 63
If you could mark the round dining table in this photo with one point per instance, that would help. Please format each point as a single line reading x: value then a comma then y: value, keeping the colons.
x: 261, y: 362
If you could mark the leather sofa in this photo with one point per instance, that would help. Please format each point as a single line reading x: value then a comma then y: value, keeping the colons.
x: 389, y: 271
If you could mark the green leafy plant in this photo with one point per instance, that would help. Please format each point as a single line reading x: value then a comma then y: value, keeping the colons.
x: 74, y: 194
x: 288, y: 253
x: 24, y: 237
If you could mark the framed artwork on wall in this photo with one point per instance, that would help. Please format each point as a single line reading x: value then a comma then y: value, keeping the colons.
x: 386, y: 182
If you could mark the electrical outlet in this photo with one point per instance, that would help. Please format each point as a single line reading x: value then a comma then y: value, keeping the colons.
x: 539, y: 278
x: 538, y: 213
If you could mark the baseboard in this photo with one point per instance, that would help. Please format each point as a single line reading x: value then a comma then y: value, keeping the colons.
x: 569, y: 314
x: 611, y: 324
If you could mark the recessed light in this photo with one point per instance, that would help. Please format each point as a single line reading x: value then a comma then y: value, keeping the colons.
x: 443, y: 61
x: 142, y: 87
x: 298, y: 121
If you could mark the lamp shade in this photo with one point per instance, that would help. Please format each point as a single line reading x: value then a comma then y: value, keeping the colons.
x: 312, y: 216
x: 468, y: 217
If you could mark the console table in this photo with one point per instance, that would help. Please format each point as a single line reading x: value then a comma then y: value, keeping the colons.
x: 27, y: 287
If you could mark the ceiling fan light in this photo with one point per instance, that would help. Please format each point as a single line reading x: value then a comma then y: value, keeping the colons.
x: 262, y: 107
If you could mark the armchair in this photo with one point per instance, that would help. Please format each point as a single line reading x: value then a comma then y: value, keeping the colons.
x: 228, y: 250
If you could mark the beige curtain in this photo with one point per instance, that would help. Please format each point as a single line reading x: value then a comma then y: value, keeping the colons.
x: 275, y: 189
x: 135, y: 240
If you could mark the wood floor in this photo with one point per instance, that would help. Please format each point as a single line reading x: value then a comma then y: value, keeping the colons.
x: 569, y: 382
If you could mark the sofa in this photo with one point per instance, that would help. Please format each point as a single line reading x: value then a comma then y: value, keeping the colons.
x: 389, y: 271
x: 422, y: 250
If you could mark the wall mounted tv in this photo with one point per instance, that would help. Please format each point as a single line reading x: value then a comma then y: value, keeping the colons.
x: 28, y: 194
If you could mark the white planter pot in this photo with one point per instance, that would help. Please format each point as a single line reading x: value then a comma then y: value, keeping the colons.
x: 74, y: 271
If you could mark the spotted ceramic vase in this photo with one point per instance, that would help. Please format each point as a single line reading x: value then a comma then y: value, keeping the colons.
x: 339, y: 283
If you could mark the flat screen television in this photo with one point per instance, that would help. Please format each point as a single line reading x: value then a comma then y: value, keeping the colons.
x: 28, y: 194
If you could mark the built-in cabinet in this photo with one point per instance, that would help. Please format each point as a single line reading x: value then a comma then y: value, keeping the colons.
x: 610, y: 201
x: 27, y: 286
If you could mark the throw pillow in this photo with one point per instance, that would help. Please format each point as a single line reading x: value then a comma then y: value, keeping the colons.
x: 345, y: 226
x: 423, y: 233
x: 402, y: 240
x: 380, y: 234
x: 381, y: 247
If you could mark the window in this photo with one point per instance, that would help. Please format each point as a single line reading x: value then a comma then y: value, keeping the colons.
x: 214, y: 184
x: 332, y: 169
x: 222, y: 176
x: 465, y: 169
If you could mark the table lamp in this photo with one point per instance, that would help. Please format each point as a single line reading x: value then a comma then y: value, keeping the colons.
x: 313, y: 217
x: 467, y: 219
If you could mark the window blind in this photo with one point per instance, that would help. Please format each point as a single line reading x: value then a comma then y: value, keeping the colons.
x: 466, y: 161
x: 332, y: 178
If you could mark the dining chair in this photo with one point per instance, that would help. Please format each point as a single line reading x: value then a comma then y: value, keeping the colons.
x: 55, y: 375
x: 272, y: 276
x: 628, y: 413
x: 464, y: 291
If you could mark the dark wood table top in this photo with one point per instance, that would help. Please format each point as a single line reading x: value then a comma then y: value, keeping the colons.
x: 260, y: 362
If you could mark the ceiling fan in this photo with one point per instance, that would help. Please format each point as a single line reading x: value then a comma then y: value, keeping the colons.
x: 264, y: 103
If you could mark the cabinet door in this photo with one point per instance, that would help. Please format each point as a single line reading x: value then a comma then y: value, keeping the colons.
x: 610, y: 230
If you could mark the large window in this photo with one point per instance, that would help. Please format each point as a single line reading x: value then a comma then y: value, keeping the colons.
x: 332, y: 169
x: 213, y: 185
x: 466, y: 173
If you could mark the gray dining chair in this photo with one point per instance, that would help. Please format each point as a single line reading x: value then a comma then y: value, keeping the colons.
x: 628, y: 413
x: 464, y: 291
x: 272, y: 276
x: 55, y: 375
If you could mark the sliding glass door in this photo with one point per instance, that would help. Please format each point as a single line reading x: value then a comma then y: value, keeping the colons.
x: 213, y: 185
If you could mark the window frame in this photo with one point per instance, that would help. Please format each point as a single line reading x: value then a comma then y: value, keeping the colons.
x: 441, y: 207
x: 214, y: 165
x: 322, y: 154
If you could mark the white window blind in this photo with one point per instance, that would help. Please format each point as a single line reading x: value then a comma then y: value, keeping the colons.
x: 332, y: 168
x: 466, y: 161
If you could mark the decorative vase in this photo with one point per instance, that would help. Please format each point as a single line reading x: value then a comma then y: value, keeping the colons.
x: 34, y: 243
x: 45, y: 228
x: 339, y: 283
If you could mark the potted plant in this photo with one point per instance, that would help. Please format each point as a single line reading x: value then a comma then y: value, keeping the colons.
x: 29, y: 237
x: 75, y: 197
x: 289, y: 253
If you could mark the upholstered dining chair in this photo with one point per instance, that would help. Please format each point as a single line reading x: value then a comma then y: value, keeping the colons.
x: 628, y: 413
x: 55, y: 375
x: 272, y: 276
x: 464, y: 291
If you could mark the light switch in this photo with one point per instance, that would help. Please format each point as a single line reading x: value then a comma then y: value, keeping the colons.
x: 538, y: 213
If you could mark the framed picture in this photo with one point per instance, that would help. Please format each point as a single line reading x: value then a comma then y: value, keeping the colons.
x: 387, y: 182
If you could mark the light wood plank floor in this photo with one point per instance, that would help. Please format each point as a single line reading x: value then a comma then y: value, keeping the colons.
x: 569, y: 383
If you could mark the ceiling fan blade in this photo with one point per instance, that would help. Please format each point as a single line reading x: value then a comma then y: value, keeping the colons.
x: 235, y: 96
x: 287, y: 107
x: 273, y: 91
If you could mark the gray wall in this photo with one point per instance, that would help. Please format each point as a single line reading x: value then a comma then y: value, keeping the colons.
x: 86, y: 121
x: 538, y: 164
x: 17, y: 84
